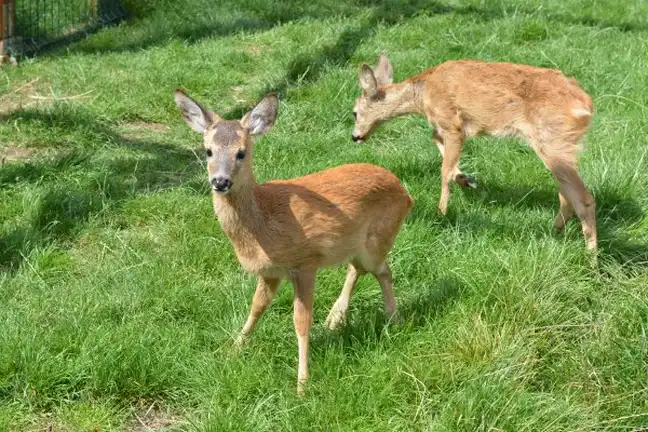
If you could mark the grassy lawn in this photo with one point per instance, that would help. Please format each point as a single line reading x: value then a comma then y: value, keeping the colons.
x: 120, y: 296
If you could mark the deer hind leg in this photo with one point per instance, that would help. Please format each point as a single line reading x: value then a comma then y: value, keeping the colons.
x: 304, y: 283
x: 377, y: 265
x: 573, y: 196
x: 383, y: 275
x: 565, y: 213
x: 381, y: 235
x: 338, y: 313
x: 573, y: 188
x: 375, y: 261
x: 265, y: 291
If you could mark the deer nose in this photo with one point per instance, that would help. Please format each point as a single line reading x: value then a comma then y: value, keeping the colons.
x: 221, y: 184
x: 356, y: 138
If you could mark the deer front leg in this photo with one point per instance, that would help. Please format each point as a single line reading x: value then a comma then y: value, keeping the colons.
x: 265, y: 291
x: 459, y: 177
x: 453, y: 145
x: 304, y: 283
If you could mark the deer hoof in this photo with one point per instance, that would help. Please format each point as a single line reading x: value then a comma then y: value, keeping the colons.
x: 466, y: 181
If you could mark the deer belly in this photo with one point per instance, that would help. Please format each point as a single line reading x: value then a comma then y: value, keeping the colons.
x: 264, y: 268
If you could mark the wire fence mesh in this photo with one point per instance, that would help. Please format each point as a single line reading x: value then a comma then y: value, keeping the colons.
x: 40, y: 23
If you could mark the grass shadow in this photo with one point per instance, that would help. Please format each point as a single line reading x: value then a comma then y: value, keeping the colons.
x: 615, y: 213
x: 310, y: 68
x: 200, y: 20
x: 191, y: 24
x: 73, y: 186
x: 488, y: 14
x: 431, y: 301
x: 368, y: 326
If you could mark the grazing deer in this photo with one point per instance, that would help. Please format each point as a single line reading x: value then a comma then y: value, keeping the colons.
x: 466, y: 98
x: 288, y: 229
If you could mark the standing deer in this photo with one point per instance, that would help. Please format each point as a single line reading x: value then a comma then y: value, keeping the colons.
x: 288, y: 229
x: 466, y: 98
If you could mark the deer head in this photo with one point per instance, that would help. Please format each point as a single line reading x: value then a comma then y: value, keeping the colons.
x: 228, y: 143
x: 370, y: 108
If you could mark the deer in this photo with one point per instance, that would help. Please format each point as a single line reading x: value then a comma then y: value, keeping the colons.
x: 465, y: 98
x: 288, y: 229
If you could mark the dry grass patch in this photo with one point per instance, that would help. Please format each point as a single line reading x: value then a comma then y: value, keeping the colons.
x: 155, y: 417
x: 34, y: 94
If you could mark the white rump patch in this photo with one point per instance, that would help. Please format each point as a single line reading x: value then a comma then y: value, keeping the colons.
x: 580, y: 112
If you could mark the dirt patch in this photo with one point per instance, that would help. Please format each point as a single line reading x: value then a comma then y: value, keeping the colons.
x: 12, y: 154
x: 155, y: 418
x: 140, y: 129
x: 47, y: 423
x: 155, y: 127
x: 255, y: 49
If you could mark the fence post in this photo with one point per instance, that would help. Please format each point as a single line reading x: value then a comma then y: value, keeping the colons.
x: 7, y: 25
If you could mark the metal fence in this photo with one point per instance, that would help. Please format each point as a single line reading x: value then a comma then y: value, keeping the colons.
x: 31, y: 25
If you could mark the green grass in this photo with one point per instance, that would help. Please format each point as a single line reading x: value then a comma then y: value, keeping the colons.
x: 120, y: 295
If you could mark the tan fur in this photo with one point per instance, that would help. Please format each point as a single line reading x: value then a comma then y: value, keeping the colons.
x: 313, y: 221
x: 466, y: 98
x: 288, y: 229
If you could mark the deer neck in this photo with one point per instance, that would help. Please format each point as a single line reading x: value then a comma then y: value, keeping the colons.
x: 238, y: 212
x: 403, y: 98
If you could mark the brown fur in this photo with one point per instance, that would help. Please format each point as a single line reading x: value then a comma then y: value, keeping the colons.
x: 314, y: 221
x: 466, y: 98
x: 288, y: 229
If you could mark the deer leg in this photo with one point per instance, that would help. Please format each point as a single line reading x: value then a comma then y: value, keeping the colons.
x: 460, y: 178
x: 574, y: 191
x: 384, y: 276
x: 437, y: 137
x: 265, y: 291
x: 453, y: 145
x: 585, y: 207
x: 304, y: 283
x: 338, y: 313
x: 565, y: 213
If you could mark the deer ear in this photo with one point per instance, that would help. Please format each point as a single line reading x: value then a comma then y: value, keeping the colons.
x: 262, y: 117
x: 383, y: 71
x: 368, y: 82
x: 193, y: 114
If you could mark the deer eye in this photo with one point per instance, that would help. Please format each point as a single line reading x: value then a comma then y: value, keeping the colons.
x: 355, y: 115
x: 240, y: 155
x: 209, y: 153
